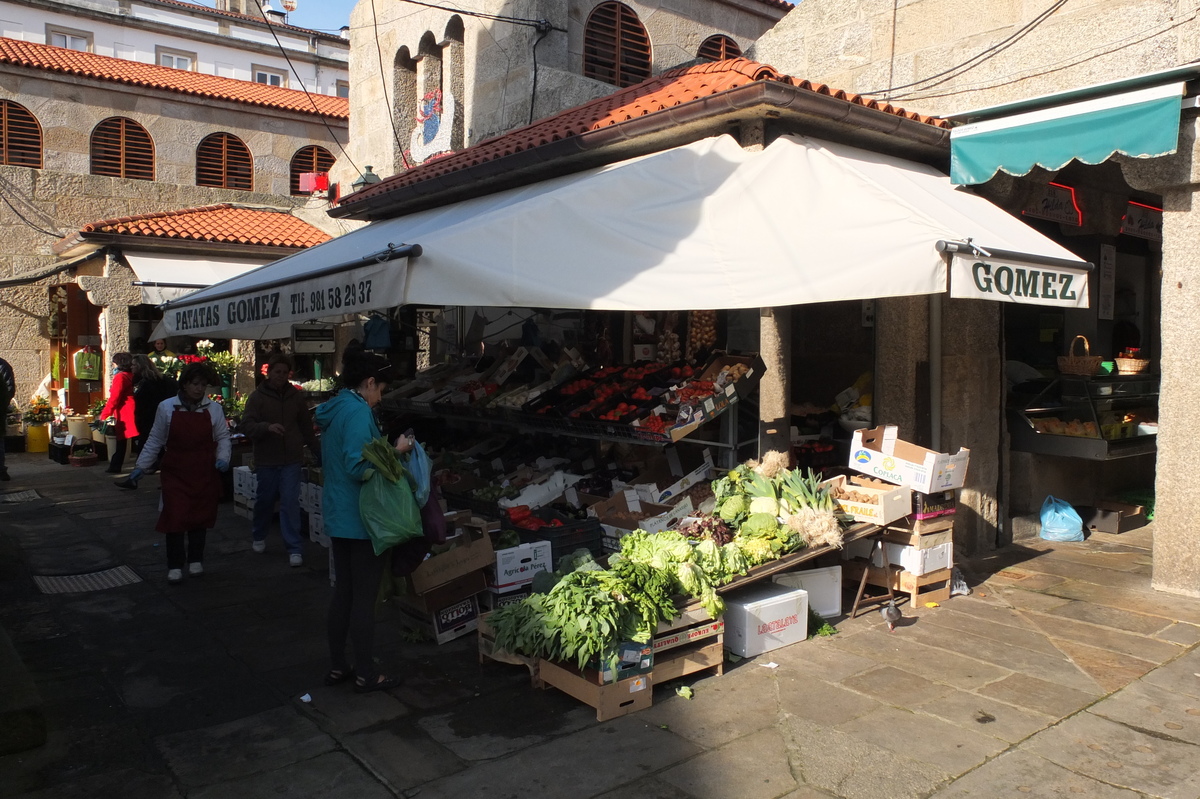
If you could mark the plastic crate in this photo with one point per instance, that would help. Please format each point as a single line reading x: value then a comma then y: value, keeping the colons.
x: 573, y: 534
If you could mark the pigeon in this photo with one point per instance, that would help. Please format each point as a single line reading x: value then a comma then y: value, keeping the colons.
x: 891, y: 614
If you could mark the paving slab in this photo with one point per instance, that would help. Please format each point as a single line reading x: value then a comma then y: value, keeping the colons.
x: 722, y: 709
x: 896, y: 687
x: 846, y: 766
x: 1110, y: 670
x: 263, y: 742
x: 754, y: 767
x: 992, y: 608
x: 1052, y: 666
x: 1039, y: 696
x: 1023, y: 775
x: 1015, y: 631
x: 328, y: 775
x: 986, y: 715
x: 647, y: 788
x: 1181, y: 675
x: 1138, y: 646
x: 402, y: 756
x: 123, y: 782
x: 337, y: 709
x: 1114, y: 618
x: 1020, y: 598
x: 591, y: 761
x: 926, y: 661
x: 820, y: 702
x: 822, y: 658
x: 924, y: 737
x: 1154, y: 710
x: 1171, y: 608
x: 1180, y: 633
x: 1118, y: 755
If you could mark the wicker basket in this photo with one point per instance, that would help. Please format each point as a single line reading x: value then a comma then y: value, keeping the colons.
x: 82, y: 453
x: 1086, y: 364
x: 1131, y: 366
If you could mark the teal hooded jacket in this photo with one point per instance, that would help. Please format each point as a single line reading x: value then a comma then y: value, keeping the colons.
x: 346, y: 423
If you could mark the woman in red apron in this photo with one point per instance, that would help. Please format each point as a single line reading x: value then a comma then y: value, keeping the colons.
x: 191, y: 433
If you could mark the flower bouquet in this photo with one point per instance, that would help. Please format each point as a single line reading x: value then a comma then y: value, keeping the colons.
x: 39, y: 411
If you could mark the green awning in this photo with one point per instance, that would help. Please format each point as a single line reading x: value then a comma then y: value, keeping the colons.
x: 1140, y: 124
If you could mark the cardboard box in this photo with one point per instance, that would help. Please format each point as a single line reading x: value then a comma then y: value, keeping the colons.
x: 935, y: 505
x: 517, y: 565
x: 470, y: 550
x: 915, y: 561
x: 824, y: 588
x: 675, y: 473
x: 625, y: 511
x: 645, y: 352
x: 763, y: 617
x: 494, y: 598
x: 880, y: 453
x: 890, y: 504
x: 906, y: 538
x: 631, y: 659
x: 610, y: 701
x: 688, y: 635
x: 746, y: 384
x: 445, y: 623
x: 1112, y: 517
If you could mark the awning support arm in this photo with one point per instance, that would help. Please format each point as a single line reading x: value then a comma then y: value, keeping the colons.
x: 390, y: 254
x: 1009, y: 255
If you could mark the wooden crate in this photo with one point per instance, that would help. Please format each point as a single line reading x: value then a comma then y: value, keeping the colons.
x: 932, y: 587
x: 921, y: 526
x: 708, y: 653
x: 610, y: 701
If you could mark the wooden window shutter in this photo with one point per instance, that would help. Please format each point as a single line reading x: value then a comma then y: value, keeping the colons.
x: 718, y: 48
x: 309, y: 159
x: 616, y: 47
x: 121, y: 148
x: 223, y: 162
x: 20, y: 136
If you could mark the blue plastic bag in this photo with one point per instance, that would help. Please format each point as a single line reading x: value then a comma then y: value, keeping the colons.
x: 419, y: 470
x: 1060, y: 522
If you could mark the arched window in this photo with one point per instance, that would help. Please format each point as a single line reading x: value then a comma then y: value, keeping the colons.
x: 223, y: 162
x: 20, y: 136
x: 121, y: 148
x: 309, y: 159
x: 616, y: 48
x: 718, y: 48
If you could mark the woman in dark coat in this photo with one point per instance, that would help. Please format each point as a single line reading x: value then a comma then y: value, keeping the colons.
x: 150, y: 387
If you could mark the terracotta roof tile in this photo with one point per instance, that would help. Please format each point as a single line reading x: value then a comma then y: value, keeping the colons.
x: 196, y: 84
x: 224, y: 223
x: 261, y: 21
x: 668, y: 90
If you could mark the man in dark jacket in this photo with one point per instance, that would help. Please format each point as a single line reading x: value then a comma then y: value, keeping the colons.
x: 277, y: 421
x: 8, y: 390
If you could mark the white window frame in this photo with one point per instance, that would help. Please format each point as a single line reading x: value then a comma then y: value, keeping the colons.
x: 69, y: 34
x: 257, y: 70
x: 170, y: 52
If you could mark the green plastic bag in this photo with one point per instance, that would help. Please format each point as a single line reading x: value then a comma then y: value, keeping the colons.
x: 389, y: 511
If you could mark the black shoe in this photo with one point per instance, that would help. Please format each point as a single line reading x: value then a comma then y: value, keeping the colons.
x: 4, y: 476
x: 111, y: 470
x: 126, y: 483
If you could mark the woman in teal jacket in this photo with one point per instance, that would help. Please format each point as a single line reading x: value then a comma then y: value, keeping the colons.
x: 347, y: 423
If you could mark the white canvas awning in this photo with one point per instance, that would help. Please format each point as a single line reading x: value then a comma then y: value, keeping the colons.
x: 706, y: 225
x: 170, y: 277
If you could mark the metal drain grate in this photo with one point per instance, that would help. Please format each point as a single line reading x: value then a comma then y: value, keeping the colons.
x: 96, y: 581
x: 20, y: 496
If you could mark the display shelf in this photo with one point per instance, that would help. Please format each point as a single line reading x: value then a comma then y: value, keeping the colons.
x: 1095, y: 418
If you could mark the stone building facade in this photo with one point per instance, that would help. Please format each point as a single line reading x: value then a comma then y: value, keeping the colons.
x: 46, y: 202
x: 952, y: 56
x: 427, y: 81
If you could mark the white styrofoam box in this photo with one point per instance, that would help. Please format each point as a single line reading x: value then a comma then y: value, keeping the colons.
x: 314, y: 497
x: 824, y: 587
x: 765, y: 616
x: 316, y: 524
x: 910, y: 558
x: 304, y: 506
x: 240, y: 475
x: 517, y: 565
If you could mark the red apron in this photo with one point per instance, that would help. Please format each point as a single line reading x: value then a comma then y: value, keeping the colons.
x: 191, y: 484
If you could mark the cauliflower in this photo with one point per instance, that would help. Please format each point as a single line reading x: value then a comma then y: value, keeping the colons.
x: 734, y: 508
x: 764, y: 505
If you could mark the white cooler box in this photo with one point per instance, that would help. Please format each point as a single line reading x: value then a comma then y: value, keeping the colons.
x: 824, y: 587
x: 763, y: 617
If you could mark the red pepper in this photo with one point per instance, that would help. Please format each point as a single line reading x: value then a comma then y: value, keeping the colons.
x: 519, y: 512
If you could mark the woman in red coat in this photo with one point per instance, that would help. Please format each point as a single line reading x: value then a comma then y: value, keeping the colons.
x: 120, y: 409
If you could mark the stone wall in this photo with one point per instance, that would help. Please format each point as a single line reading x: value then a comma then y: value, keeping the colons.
x: 495, y: 91
x: 62, y: 197
x: 851, y: 46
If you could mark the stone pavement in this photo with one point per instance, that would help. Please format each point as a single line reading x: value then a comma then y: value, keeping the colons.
x: 1064, y: 673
